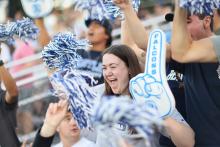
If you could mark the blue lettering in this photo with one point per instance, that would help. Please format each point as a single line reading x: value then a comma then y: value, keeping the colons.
x: 154, y: 59
x: 154, y: 53
x: 153, y: 65
x: 155, y: 41
x: 154, y: 72
x: 156, y: 35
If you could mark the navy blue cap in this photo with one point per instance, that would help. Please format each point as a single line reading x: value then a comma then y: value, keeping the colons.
x: 106, y: 24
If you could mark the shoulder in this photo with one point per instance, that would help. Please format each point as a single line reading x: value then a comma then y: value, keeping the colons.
x: 83, y: 142
x: 100, y: 89
x: 58, y: 145
x: 216, y: 44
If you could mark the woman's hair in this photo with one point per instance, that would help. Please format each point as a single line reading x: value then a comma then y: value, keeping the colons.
x: 128, y: 56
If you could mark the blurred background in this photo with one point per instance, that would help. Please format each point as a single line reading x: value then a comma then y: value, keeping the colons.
x: 24, y: 61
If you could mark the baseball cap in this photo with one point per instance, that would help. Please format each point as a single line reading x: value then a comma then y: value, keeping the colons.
x: 106, y: 24
x: 169, y: 17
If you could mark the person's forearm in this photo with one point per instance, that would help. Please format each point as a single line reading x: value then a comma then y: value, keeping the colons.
x: 125, y: 35
x: 43, y: 37
x: 136, y: 28
x: 41, y: 141
x: 8, y: 82
x: 181, y: 39
x: 128, y: 40
x: 48, y: 130
x: 181, y: 134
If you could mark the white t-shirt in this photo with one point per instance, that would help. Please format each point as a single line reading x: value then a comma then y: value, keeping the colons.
x: 83, y: 142
x: 5, y: 53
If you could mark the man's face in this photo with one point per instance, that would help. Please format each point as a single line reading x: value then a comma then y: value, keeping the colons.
x: 68, y: 127
x: 96, y: 33
x: 197, y: 27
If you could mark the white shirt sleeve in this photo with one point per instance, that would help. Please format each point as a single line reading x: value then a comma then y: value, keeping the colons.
x: 5, y: 53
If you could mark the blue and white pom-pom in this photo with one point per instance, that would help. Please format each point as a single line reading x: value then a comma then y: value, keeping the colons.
x: 114, y: 12
x: 24, y: 29
x: 122, y: 110
x: 61, y: 52
x: 73, y: 86
x: 94, y: 8
x: 98, y: 9
x: 200, y: 6
x: 4, y: 34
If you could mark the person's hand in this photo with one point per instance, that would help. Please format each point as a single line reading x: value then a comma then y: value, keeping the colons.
x: 151, y: 87
x: 25, y: 144
x: 123, y: 4
x: 56, y: 112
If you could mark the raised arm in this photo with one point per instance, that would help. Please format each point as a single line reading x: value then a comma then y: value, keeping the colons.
x: 126, y: 37
x: 135, y: 26
x: 9, y: 83
x: 127, y: 40
x: 184, y: 49
x: 133, y: 32
x: 44, y: 37
x: 56, y: 112
x: 181, y: 134
x: 126, y: 33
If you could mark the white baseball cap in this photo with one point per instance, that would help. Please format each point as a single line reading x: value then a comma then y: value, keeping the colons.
x: 37, y: 8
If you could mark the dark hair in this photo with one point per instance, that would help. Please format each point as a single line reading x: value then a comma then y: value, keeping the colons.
x: 14, y: 6
x: 128, y: 56
x: 169, y: 17
x: 109, y: 41
x: 202, y: 16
